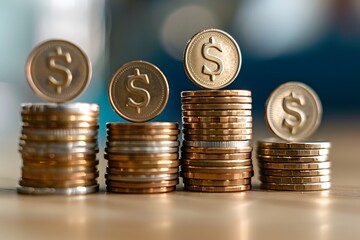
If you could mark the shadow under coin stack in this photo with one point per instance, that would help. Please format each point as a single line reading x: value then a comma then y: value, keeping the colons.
x: 142, y: 157
x: 58, y: 146
x: 216, y: 151
x: 293, y: 113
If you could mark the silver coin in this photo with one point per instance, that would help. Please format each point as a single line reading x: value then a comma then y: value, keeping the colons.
x: 58, y: 145
x: 142, y: 178
x: 293, y: 111
x: 141, y: 149
x: 60, y: 132
x: 58, y: 191
x: 142, y: 143
x: 217, y: 144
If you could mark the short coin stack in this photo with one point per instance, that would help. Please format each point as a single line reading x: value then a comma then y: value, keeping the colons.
x: 142, y: 157
x: 216, y: 151
x: 58, y: 145
x: 294, y: 166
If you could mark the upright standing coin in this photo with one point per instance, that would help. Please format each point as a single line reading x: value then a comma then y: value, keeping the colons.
x: 212, y: 59
x: 293, y: 111
x: 58, y: 71
x: 138, y: 91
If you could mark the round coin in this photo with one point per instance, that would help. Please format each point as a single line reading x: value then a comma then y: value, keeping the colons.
x: 57, y: 109
x: 230, y: 119
x: 216, y: 150
x: 215, y: 100
x: 133, y: 150
x: 293, y: 111
x: 58, y: 191
x: 215, y: 163
x: 141, y: 171
x: 217, y: 176
x: 140, y: 190
x: 216, y: 93
x: 144, y: 164
x: 121, y: 184
x: 294, y: 173
x: 54, y: 163
x: 62, y: 176
x: 217, y: 113
x: 216, y: 125
x: 142, y: 157
x: 56, y: 184
x: 296, y: 180
x: 216, y: 144
x: 142, y: 125
x: 198, y: 188
x: 202, y: 169
x: 220, y: 106
x: 293, y: 152
x: 295, y: 166
x: 154, y: 131
x: 58, y: 70
x: 222, y: 156
x: 212, y: 59
x: 216, y: 183
x: 142, y: 178
x: 138, y: 91
x: 297, y: 187
x: 142, y: 143
x: 217, y: 137
x: 275, y: 143
x: 142, y: 137
x: 218, y: 131
x: 292, y: 159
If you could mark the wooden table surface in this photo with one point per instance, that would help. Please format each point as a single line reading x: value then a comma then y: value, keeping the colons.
x: 256, y: 214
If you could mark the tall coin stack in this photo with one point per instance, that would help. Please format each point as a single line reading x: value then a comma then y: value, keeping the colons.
x: 217, y: 124
x: 142, y: 157
x: 293, y: 112
x: 58, y: 142
x: 58, y: 146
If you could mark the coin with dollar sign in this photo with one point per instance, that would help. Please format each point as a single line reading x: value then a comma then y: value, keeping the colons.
x: 212, y: 59
x: 138, y: 91
x: 58, y: 70
x: 293, y: 111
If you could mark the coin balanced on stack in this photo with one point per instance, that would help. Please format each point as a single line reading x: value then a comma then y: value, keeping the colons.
x: 293, y: 113
x: 58, y: 142
x: 142, y: 157
x: 217, y: 124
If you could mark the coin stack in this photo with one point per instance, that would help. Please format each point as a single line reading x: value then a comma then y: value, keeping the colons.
x: 216, y: 151
x: 293, y: 113
x: 142, y: 157
x: 294, y: 166
x: 58, y: 145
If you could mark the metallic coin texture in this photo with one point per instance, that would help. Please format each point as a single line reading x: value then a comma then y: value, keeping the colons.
x: 212, y: 59
x: 293, y: 111
x: 138, y: 91
x: 58, y: 71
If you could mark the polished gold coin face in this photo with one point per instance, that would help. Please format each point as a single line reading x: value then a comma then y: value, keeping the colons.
x: 58, y: 71
x: 138, y: 91
x: 212, y: 59
x: 293, y: 111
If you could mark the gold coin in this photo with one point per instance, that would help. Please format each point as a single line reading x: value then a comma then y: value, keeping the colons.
x: 204, y: 156
x: 58, y: 157
x: 231, y: 119
x: 197, y: 188
x: 216, y: 93
x: 295, y: 173
x: 173, y: 132
x: 202, y: 169
x: 138, y: 91
x: 216, y: 150
x: 216, y: 137
x: 220, y: 106
x: 144, y: 164
x: 54, y: 163
x: 142, y: 125
x: 142, y: 137
x: 217, y: 125
x: 293, y: 152
x: 217, y: 183
x: 66, y: 125
x: 293, y: 111
x: 56, y: 184
x: 137, y: 143
x: 267, y: 158
x: 58, y: 70
x: 212, y: 59
x: 275, y: 143
x: 297, y: 187
x: 295, y: 166
x: 57, y: 169
x: 215, y: 100
x: 43, y: 109
x: 157, y: 184
x: 218, y: 131
x: 142, y: 178
x: 142, y: 157
x: 141, y: 150
x: 217, y: 176
x: 57, y: 138
x: 141, y: 171
x: 296, y: 180
x: 216, y: 163
x: 217, y: 113
x: 140, y: 190
x: 59, y: 119
x: 62, y: 176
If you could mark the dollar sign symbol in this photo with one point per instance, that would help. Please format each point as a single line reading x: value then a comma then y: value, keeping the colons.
x: 67, y: 76
x: 296, y: 118
x: 132, y: 89
x: 212, y: 58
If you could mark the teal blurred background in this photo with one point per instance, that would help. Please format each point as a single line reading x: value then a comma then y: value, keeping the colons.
x: 312, y: 41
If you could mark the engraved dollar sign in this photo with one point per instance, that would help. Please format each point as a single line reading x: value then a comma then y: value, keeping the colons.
x: 296, y: 117
x: 132, y: 89
x: 212, y: 58
x: 53, y: 66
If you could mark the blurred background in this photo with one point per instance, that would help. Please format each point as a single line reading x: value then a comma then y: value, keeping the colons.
x: 312, y: 41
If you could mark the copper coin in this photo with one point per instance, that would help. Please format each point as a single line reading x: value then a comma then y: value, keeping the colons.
x: 216, y: 93
x: 216, y: 163
x: 141, y: 171
x: 216, y: 125
x: 56, y: 184
x: 200, y: 137
x: 154, y: 131
x: 297, y: 187
x: 202, y: 169
x: 68, y: 176
x: 142, y: 125
x: 293, y: 152
x: 204, y: 156
x: 140, y: 190
x: 296, y: 180
x: 274, y: 143
x: 217, y: 176
x: 295, y: 166
x: 292, y: 159
x: 215, y: 100
x: 216, y: 150
x: 217, y: 113
x: 142, y: 137
x: 54, y: 163
x: 144, y: 164
x: 197, y: 188
x: 295, y: 173
x: 216, y: 183
x: 121, y: 184
x: 205, y: 119
x: 218, y: 131
x: 142, y: 157
x: 220, y: 106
